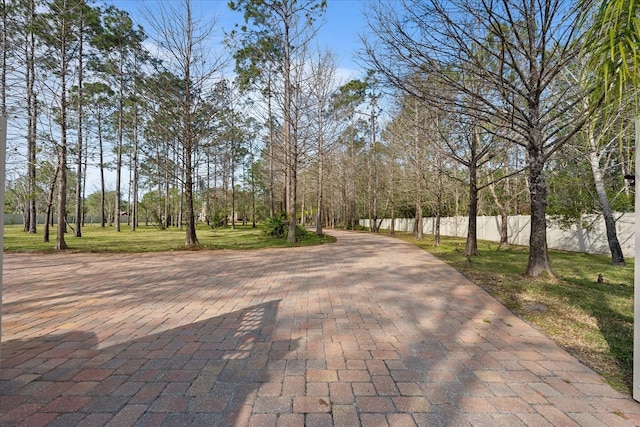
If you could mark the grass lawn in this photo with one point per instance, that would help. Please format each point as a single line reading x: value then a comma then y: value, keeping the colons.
x: 149, y: 239
x: 591, y: 320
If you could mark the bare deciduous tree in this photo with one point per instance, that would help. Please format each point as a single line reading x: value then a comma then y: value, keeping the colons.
x: 291, y: 25
x: 321, y: 87
x: 516, y: 48
x: 183, y: 45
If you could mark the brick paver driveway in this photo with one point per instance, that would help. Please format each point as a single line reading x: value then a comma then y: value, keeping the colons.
x: 367, y: 331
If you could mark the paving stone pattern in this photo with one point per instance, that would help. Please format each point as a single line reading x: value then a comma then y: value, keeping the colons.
x: 368, y: 331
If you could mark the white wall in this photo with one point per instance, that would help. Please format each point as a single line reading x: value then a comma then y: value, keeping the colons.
x: 589, y: 239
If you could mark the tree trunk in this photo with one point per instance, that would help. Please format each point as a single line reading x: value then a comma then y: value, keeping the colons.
x: 159, y: 189
x: 392, y: 226
x: 271, y: 152
x: 253, y: 200
x: 49, y: 207
x: 167, y: 204
x: 62, y: 157
x: 207, y: 213
x: 539, y: 261
x: 180, y: 213
x: 25, y: 216
x: 617, y: 258
x: 352, y: 207
x: 289, y: 141
x: 471, y: 248
x: 191, y: 239
x: 133, y: 208
x: 85, y: 168
x: 102, y: 187
x: 374, y: 155
x: 504, y: 229
x: 233, y: 187
x: 436, y: 231
x: 343, y: 207
x: 320, y: 185
x: 419, y: 222
x: 303, y: 219
x: 369, y: 194
x: 293, y: 174
x: 79, y: 154
x: 504, y: 216
x: 31, y: 125
x: 189, y: 138
x: 116, y: 217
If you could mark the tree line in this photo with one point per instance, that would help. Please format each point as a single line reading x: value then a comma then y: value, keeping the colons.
x: 469, y: 108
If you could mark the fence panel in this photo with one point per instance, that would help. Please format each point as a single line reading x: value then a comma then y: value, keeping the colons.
x: 589, y: 236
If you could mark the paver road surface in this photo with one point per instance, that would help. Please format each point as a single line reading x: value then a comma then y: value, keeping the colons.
x: 367, y: 331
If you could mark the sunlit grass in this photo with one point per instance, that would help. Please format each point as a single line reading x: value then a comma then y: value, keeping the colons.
x: 148, y: 239
x: 593, y: 321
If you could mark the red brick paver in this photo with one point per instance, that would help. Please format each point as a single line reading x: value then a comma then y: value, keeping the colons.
x: 366, y: 331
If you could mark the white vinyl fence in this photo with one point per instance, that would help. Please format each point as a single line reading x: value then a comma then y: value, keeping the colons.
x: 588, y: 237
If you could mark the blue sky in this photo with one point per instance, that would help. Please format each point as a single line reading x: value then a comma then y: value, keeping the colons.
x: 341, y: 32
x: 344, y: 22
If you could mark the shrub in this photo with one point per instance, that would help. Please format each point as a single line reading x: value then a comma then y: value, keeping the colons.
x: 276, y: 226
x: 218, y: 220
x: 301, y: 232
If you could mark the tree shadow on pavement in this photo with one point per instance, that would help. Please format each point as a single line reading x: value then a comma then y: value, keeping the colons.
x: 203, y: 373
